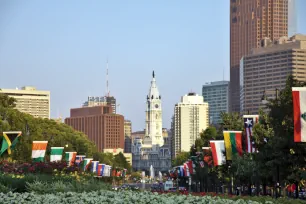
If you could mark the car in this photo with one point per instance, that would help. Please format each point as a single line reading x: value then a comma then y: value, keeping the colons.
x: 182, y: 189
x: 172, y: 189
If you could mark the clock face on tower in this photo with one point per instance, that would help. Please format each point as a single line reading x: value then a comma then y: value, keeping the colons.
x: 156, y: 106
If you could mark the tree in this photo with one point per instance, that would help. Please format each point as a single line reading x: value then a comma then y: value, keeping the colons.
x: 120, y: 162
x: 231, y: 121
x: 180, y: 158
x: 40, y: 129
x: 287, y: 156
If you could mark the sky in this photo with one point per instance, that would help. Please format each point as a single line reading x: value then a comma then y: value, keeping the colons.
x: 63, y: 46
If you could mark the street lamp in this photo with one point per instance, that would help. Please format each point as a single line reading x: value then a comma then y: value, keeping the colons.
x: 264, y: 98
x: 264, y: 101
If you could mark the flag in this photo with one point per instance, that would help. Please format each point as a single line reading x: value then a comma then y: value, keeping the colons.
x: 39, y: 150
x: 56, y: 154
x: 99, y: 170
x: 94, y: 166
x: 79, y: 159
x: 249, y: 122
x: 233, y: 143
x: 217, y: 149
x: 70, y: 158
x: 299, y: 113
x: 186, y: 169
x: 185, y: 166
x: 107, y: 170
x: 181, y: 171
x: 103, y: 170
x: 9, y: 141
x: 114, y: 172
x: 207, y: 155
x: 86, y: 163
x: 190, y: 166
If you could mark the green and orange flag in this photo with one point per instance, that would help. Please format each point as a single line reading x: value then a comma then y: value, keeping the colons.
x: 233, y: 143
x: 9, y: 141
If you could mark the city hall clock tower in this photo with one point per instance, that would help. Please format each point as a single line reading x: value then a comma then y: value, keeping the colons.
x: 153, y: 134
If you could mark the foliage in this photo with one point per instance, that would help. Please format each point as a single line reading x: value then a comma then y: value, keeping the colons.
x: 231, y: 121
x: 121, y: 162
x: 136, y: 175
x: 36, y: 167
x: 180, y: 158
x: 5, y: 189
x: 57, y: 134
x: 209, y: 134
x: 105, y: 196
x: 56, y: 182
x: 278, y: 159
x: 61, y: 186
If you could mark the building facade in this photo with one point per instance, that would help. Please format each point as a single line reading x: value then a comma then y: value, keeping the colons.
x: 101, y: 101
x: 152, y: 150
x: 216, y: 94
x: 267, y: 68
x: 250, y: 22
x: 127, y: 136
x: 101, y: 126
x: 31, y: 101
x: 191, y: 117
x: 138, y: 135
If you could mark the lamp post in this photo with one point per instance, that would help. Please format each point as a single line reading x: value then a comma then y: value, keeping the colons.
x: 264, y: 95
x: 265, y: 101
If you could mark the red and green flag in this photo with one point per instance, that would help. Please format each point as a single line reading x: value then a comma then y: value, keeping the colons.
x: 233, y: 143
x: 9, y: 141
x: 299, y: 113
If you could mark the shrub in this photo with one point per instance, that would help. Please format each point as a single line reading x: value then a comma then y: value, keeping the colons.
x: 5, y: 189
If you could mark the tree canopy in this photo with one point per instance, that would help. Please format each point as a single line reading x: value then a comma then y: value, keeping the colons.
x: 57, y: 135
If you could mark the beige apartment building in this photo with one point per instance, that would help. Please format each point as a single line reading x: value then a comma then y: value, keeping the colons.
x: 191, y: 117
x: 250, y: 22
x: 31, y: 101
x: 127, y: 136
x: 266, y: 69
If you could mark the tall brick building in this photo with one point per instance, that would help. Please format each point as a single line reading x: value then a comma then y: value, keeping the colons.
x: 101, y: 126
x: 250, y: 22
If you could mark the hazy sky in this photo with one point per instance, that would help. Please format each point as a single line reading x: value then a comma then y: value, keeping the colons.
x: 62, y: 46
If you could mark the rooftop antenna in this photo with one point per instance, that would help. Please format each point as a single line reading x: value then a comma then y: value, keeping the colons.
x: 107, y: 88
x: 223, y: 73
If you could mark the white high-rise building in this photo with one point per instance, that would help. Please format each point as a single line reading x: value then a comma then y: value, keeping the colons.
x: 31, y: 101
x: 191, y: 117
x: 154, y: 149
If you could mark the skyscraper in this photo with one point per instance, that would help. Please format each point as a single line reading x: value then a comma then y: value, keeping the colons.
x: 250, y: 22
x: 127, y: 136
x: 191, y: 117
x: 267, y: 68
x: 216, y: 94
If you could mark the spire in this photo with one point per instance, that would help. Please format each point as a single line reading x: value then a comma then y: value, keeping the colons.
x: 153, y: 92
